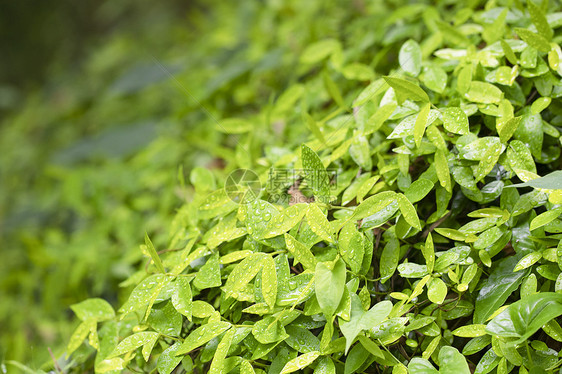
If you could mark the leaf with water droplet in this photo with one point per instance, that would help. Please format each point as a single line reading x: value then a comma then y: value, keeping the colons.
x: 451, y: 361
x: 269, y: 330
x: 202, y: 335
x: 209, y: 275
x: 302, y: 340
x: 79, y: 335
x: 406, y: 90
x: 165, y: 320
x: 315, y: 172
x: 93, y: 309
x: 181, y: 296
x: 534, y: 40
x: 545, y: 218
x: 483, y: 93
x: 318, y: 223
x: 408, y: 211
x: 243, y: 273
x: 455, y: 120
x: 329, y: 285
x: 373, y: 204
x: 350, y: 245
x: 300, y: 362
x: 133, y: 342
x: 362, y: 320
x: 527, y: 261
x: 410, y: 57
x: 144, y: 295
x: 428, y: 253
x: 435, y: 78
x: 301, y: 252
x: 269, y: 281
x: 168, y: 361
x: 421, y: 123
x: 442, y: 170
x: 218, y: 363
x: 286, y: 220
x: 389, y: 257
x: 436, y: 291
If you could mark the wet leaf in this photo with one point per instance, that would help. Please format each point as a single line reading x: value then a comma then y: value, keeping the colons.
x: 406, y: 90
x: 329, y: 285
x: 410, y: 57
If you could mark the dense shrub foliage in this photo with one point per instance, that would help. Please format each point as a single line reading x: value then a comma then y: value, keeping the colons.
x: 394, y: 209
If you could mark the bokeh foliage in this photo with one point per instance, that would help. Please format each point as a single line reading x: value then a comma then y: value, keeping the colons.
x: 428, y: 112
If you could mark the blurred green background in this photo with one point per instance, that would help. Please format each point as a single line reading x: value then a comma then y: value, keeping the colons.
x: 105, y: 108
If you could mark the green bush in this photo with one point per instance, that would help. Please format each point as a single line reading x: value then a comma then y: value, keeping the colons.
x: 385, y: 213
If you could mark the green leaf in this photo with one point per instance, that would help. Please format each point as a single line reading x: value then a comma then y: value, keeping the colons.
x: 523, y: 318
x: 451, y: 361
x: 144, y: 295
x: 373, y: 204
x: 436, y: 291
x: 133, y: 342
x: 534, y: 40
x: 243, y: 273
x: 355, y: 359
x: 329, y: 284
x: 410, y: 57
x: 408, y: 211
x: 79, y: 335
x: 435, y: 78
x: 315, y: 172
x: 428, y: 252
x: 530, y: 132
x: 269, y: 330
x: 318, y: 223
x: 552, y: 181
x: 269, y: 281
x: 165, y: 320
x: 418, y: 365
x: 93, y: 309
x: 508, y: 52
x: 286, y: 220
x: 545, y: 218
x: 421, y: 123
x: 406, y: 90
x: 218, y: 363
x: 389, y: 257
x: 350, y: 245
x: 527, y: 261
x: 300, y: 252
x: 363, y: 320
x: 496, y: 289
x: 484, y: 93
x: 300, y: 362
x: 455, y: 120
x: 360, y: 152
x: 209, y: 276
x: 325, y: 366
x: 202, y: 335
x: 182, y: 297
x: 153, y: 254
x: 442, y: 170
x: 470, y: 331
x: 168, y: 361
x: 539, y: 20
x: 507, y: 129
x: 301, y: 339
x: 418, y: 190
